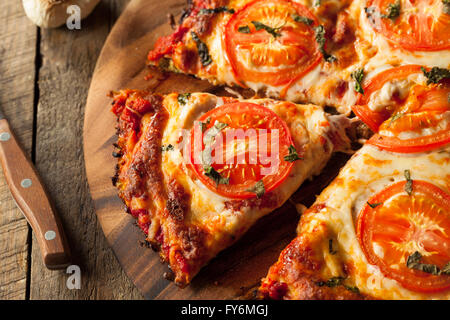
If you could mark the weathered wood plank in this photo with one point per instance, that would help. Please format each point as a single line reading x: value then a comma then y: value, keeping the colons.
x: 68, y: 59
x: 17, y: 70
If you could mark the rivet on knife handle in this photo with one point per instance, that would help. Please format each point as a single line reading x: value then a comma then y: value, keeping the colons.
x: 30, y: 196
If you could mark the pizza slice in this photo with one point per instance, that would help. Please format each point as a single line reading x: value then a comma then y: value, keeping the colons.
x: 381, y: 230
x: 197, y: 170
x: 298, y: 51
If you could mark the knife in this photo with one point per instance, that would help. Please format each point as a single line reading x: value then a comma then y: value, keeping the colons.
x: 31, y: 197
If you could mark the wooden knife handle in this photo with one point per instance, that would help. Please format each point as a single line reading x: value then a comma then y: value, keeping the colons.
x: 30, y: 196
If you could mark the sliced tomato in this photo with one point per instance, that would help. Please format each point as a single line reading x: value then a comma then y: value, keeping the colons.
x: 422, y: 25
x: 274, y: 58
x: 421, y: 144
x: 421, y: 114
x: 249, y: 149
x: 396, y: 225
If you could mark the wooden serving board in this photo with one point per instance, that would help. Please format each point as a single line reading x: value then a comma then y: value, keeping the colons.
x: 237, y: 271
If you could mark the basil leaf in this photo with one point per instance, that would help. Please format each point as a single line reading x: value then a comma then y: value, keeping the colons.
x: 217, y: 10
x: 409, y: 182
x: 302, y: 19
x: 275, y: 32
x: 374, y: 205
x: 337, y: 281
x: 210, y: 172
x: 370, y: 13
x: 334, y: 282
x: 395, y: 117
x: 436, y: 74
x: 183, y: 98
x: 446, y: 8
x: 446, y: 269
x: 358, y: 76
x: 320, y: 39
x: 330, y: 247
x: 393, y: 11
x: 205, y: 124
x: 258, y: 188
x: 317, y: 3
x: 413, y: 262
x: 352, y: 289
x: 244, y: 29
x: 293, y: 155
x: 169, y: 147
x: 203, y: 52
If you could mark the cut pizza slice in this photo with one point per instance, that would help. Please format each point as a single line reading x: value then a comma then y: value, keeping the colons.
x: 381, y: 230
x: 294, y: 50
x: 197, y: 170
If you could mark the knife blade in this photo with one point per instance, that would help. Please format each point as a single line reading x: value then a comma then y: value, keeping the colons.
x: 32, y: 199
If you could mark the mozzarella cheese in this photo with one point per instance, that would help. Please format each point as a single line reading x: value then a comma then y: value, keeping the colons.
x: 208, y: 208
x: 368, y: 172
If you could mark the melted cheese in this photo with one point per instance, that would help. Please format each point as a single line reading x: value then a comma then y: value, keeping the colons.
x: 387, y: 52
x: 207, y: 208
x: 368, y: 172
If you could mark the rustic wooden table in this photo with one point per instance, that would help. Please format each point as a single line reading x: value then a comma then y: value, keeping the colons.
x: 44, y: 80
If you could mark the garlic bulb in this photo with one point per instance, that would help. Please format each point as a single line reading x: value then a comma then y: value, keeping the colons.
x: 53, y: 13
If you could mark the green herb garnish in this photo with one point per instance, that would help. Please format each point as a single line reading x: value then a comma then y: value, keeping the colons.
x: 413, y: 262
x: 165, y: 148
x: 374, y: 205
x: 352, y: 289
x: 293, y: 155
x: 302, y: 19
x: 217, y: 10
x: 210, y: 172
x: 258, y: 188
x: 409, y: 182
x: 332, y: 282
x: 275, y: 32
x: 358, y: 76
x: 395, y: 117
x: 244, y: 29
x: 436, y: 74
x: 317, y: 3
x: 393, y: 11
x: 204, y: 125
x: 203, y: 52
x: 320, y: 39
x: 330, y: 247
x: 446, y: 8
x: 183, y: 98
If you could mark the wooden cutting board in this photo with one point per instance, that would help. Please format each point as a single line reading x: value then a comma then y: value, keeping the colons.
x: 237, y: 271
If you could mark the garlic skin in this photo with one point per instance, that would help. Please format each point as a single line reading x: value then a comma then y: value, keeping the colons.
x: 53, y: 13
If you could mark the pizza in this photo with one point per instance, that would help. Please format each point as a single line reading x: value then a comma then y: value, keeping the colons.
x: 304, y: 51
x: 193, y: 173
x: 197, y: 170
x: 381, y: 229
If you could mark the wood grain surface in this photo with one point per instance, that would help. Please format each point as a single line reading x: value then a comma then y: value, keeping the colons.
x: 235, y: 272
x: 45, y: 76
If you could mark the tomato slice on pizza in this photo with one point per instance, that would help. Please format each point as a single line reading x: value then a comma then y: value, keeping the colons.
x: 272, y: 42
x: 381, y: 230
x: 197, y: 170
x: 407, y: 113
x: 415, y: 25
x: 282, y: 49
x: 408, y: 235
x: 250, y: 135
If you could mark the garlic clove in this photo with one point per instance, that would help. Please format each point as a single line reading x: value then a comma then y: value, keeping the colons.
x: 53, y: 13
